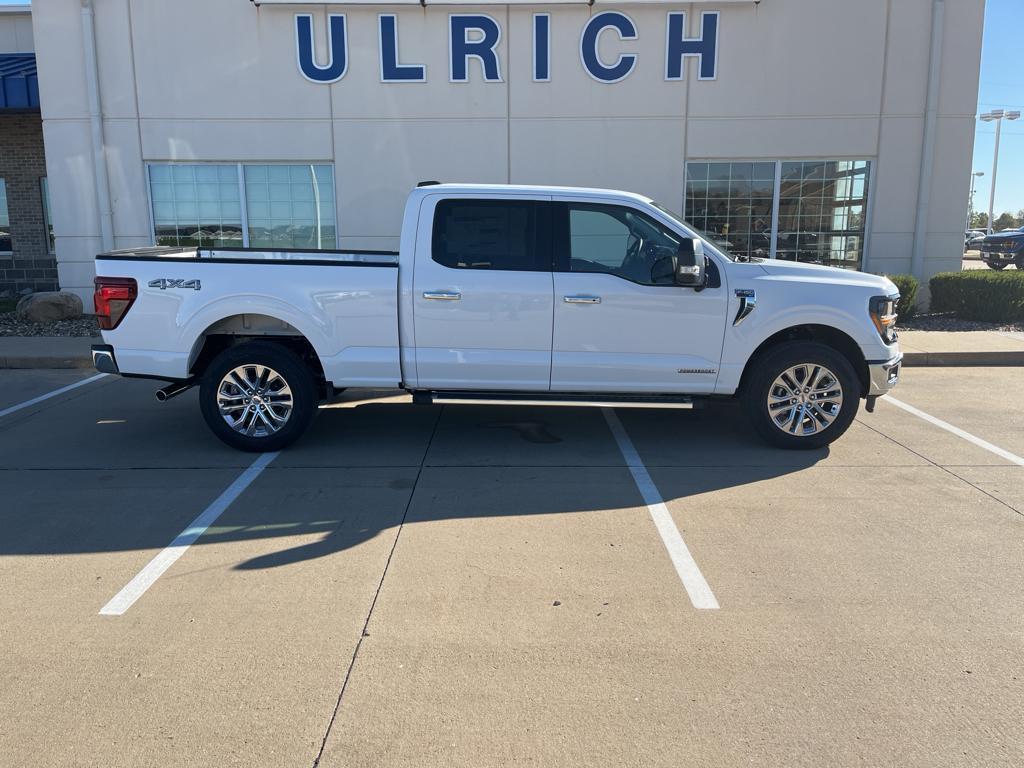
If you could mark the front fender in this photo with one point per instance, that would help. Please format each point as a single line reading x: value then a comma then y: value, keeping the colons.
x: 772, y: 317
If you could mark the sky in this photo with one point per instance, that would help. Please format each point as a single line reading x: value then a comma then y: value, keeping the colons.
x: 1002, y: 87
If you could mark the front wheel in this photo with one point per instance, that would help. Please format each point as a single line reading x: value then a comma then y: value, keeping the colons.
x: 801, y: 395
x: 997, y: 265
x: 258, y: 396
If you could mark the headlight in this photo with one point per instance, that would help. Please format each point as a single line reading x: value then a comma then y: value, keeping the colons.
x: 883, y: 315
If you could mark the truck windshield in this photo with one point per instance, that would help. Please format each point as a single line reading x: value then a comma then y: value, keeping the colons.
x: 718, y: 245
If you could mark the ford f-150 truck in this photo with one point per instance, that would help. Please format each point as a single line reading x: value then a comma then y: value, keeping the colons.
x: 503, y: 294
x: 1001, y: 249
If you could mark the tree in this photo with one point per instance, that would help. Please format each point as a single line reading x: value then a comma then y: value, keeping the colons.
x: 979, y: 220
x: 1005, y: 220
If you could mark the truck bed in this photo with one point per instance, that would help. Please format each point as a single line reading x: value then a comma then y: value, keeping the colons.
x: 349, y: 317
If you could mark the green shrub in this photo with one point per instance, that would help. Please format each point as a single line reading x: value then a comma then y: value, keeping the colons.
x: 908, y: 286
x: 996, y: 297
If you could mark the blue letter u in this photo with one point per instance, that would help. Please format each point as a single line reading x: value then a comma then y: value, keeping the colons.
x: 337, y: 43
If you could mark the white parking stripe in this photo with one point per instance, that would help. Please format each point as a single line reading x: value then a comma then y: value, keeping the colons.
x: 48, y: 395
x: 693, y: 580
x: 145, y: 578
x: 955, y: 430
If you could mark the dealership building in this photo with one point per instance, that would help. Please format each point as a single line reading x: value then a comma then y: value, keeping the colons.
x: 831, y: 131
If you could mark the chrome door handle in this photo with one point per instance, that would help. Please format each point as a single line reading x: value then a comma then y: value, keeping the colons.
x: 441, y: 296
x: 581, y: 299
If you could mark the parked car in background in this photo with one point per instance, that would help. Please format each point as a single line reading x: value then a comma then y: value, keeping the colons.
x: 973, y: 238
x: 1001, y: 249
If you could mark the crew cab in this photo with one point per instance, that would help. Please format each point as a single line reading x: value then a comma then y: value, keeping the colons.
x: 503, y: 294
x: 1001, y: 249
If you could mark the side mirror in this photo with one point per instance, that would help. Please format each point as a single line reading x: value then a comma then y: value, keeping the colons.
x: 690, y: 265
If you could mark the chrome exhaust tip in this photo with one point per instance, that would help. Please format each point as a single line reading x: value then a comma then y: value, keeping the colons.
x: 174, y: 389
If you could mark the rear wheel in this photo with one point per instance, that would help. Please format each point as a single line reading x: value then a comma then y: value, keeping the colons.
x: 258, y: 396
x: 802, y: 395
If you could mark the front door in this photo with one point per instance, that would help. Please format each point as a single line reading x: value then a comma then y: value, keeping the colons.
x: 621, y: 324
x: 482, y: 294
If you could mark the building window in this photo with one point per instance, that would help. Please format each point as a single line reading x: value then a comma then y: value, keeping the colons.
x: 734, y: 203
x: 196, y: 205
x: 810, y: 211
x: 234, y: 205
x: 47, y: 218
x: 290, y: 206
x: 5, y: 221
x: 821, y: 212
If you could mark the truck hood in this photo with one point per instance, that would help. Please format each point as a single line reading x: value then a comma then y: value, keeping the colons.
x: 1004, y: 238
x: 815, y: 273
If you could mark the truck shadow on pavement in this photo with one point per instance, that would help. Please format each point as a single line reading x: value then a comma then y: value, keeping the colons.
x: 490, y: 462
x: 362, y: 470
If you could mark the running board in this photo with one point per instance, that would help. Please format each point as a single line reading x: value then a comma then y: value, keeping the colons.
x: 559, y: 399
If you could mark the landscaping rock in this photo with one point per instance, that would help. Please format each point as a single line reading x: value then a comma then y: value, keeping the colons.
x: 48, y: 306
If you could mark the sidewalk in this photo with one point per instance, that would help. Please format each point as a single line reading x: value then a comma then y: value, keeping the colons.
x: 920, y: 348
x: 953, y: 348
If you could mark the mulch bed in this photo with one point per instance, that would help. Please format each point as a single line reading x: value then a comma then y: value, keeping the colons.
x: 947, y: 322
x: 10, y: 325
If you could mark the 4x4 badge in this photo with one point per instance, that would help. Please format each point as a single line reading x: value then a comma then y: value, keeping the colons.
x: 164, y: 283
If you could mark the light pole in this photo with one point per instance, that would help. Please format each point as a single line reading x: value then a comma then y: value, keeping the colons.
x: 970, y: 203
x: 997, y: 116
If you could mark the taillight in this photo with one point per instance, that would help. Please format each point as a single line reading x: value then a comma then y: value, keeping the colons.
x: 113, y: 298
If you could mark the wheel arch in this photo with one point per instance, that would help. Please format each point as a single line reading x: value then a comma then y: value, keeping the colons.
x: 827, y: 335
x: 239, y: 328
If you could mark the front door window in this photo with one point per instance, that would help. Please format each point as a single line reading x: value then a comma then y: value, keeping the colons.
x: 620, y: 241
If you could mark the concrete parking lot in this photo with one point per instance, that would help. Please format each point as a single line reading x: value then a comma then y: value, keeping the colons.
x: 473, y: 586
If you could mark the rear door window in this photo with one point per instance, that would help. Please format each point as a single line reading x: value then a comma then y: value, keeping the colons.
x: 492, y: 234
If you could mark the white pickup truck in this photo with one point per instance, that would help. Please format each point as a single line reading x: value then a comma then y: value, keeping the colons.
x: 503, y: 294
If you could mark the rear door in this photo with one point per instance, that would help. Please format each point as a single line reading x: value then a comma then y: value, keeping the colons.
x: 621, y: 324
x: 483, y: 293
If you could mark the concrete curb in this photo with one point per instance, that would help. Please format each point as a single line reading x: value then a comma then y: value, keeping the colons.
x: 962, y: 359
x: 44, y: 361
x: 47, y: 351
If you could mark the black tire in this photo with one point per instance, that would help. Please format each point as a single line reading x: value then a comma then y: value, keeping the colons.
x: 997, y: 265
x: 761, y: 383
x: 289, y: 368
x: 1019, y: 261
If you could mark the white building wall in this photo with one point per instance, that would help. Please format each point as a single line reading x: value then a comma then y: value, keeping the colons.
x: 797, y: 79
x: 16, y: 30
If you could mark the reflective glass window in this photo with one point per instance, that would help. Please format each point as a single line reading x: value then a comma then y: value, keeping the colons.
x: 290, y: 206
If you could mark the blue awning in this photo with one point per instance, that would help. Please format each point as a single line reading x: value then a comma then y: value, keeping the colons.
x: 19, y: 85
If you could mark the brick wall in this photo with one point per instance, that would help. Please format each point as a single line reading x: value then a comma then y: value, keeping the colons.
x: 22, y: 166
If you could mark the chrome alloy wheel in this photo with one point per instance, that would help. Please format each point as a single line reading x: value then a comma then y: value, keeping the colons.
x: 254, y: 400
x: 805, y: 399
